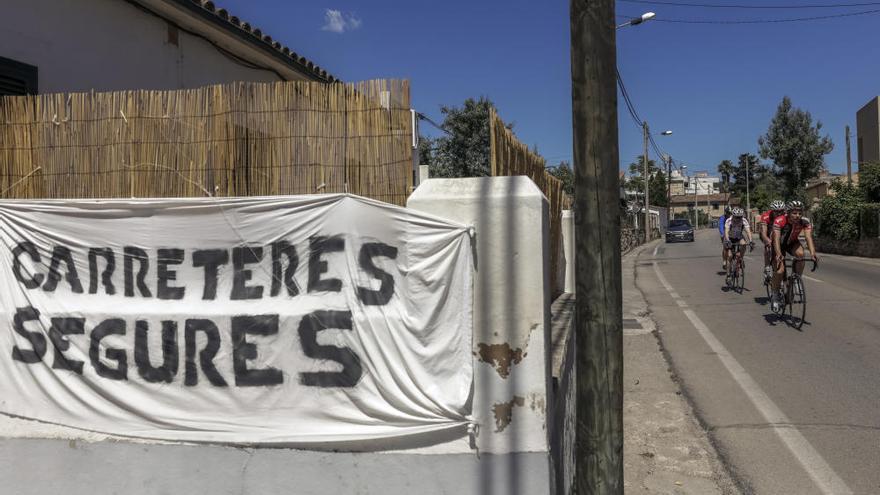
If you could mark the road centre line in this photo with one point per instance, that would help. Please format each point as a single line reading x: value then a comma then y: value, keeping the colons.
x: 817, y: 468
x: 813, y: 279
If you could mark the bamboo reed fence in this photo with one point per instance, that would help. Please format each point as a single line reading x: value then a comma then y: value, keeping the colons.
x: 509, y: 156
x: 240, y: 139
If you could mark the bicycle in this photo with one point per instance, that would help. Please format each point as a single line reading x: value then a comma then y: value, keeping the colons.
x: 768, y: 279
x: 736, y: 268
x: 793, y: 293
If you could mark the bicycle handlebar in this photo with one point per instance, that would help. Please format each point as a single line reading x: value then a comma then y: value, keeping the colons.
x: 791, y: 261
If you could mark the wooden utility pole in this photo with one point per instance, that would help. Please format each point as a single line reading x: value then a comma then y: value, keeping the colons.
x: 848, y: 160
x: 647, y: 178
x: 598, y: 325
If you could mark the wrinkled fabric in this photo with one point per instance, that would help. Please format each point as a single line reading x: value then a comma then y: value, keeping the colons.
x: 201, y: 330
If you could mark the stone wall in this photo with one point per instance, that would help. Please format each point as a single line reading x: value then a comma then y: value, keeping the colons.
x: 867, y: 248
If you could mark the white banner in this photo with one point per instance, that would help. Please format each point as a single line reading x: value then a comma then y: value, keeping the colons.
x: 296, y: 320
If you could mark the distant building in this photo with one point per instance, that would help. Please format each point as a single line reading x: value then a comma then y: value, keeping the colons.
x: 711, y: 205
x: 702, y: 183
x: 868, y: 132
x: 676, y: 183
x: 820, y: 187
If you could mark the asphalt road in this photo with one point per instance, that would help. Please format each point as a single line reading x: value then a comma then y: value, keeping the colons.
x: 790, y: 411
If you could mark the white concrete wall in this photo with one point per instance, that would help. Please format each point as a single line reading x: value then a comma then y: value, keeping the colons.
x: 107, y: 45
x: 511, y: 303
x: 40, y: 467
x: 512, y: 394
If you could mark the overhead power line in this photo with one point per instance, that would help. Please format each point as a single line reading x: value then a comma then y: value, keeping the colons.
x: 427, y: 119
x: 741, y: 6
x: 637, y: 120
x: 760, y: 21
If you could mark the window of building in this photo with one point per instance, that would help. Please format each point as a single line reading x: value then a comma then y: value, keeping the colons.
x: 17, y: 78
x: 714, y: 206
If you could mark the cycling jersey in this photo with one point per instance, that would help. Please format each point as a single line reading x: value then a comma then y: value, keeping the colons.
x: 735, y: 228
x: 791, y: 231
x: 768, y: 217
x: 721, y: 222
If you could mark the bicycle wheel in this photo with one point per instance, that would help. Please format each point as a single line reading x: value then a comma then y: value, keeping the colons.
x: 798, y: 304
x: 741, y: 275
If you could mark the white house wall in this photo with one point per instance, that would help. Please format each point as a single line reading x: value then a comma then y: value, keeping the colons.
x: 107, y: 45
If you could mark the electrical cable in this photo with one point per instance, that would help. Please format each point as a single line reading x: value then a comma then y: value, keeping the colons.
x: 760, y: 21
x: 427, y: 119
x: 741, y: 6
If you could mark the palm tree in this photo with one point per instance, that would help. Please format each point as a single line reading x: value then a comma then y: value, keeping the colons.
x: 725, y: 168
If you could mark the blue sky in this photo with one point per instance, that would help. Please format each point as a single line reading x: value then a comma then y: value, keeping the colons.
x: 716, y: 86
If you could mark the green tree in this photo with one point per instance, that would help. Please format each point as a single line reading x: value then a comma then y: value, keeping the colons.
x: 564, y: 173
x: 656, y: 185
x: 464, y: 150
x: 767, y: 187
x: 636, y: 180
x: 725, y: 168
x: 795, y: 146
x: 746, y: 163
x: 426, y: 150
x: 838, y: 214
x: 657, y: 188
x: 869, y: 181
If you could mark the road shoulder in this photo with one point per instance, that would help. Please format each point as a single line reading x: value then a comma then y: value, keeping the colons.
x: 665, y: 448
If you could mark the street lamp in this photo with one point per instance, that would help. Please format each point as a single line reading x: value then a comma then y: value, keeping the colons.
x: 647, y: 16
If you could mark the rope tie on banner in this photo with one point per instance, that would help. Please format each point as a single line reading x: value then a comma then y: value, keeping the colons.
x: 472, y: 232
x: 473, y: 430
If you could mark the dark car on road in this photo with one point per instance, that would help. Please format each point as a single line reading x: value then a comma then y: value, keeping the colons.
x: 680, y: 230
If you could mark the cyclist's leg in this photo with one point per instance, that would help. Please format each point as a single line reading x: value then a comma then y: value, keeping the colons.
x: 724, y: 254
x: 778, y: 271
x: 797, y: 250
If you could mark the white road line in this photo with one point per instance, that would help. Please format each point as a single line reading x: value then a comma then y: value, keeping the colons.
x: 817, y: 468
x: 813, y: 279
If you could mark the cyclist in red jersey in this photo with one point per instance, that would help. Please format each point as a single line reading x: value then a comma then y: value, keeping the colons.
x: 786, y: 232
x: 765, y: 230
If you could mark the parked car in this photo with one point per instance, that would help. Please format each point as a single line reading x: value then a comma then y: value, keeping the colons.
x: 680, y: 230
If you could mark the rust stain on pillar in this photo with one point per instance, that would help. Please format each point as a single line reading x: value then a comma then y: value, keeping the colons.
x: 504, y: 412
x: 501, y: 356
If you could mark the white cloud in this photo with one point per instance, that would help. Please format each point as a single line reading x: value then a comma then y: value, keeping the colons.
x: 337, y: 22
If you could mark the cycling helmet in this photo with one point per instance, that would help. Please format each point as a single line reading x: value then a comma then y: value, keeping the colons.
x: 726, y: 210
x: 795, y: 205
x: 737, y: 211
x: 777, y: 205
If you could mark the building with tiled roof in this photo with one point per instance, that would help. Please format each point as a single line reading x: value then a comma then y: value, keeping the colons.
x: 48, y: 46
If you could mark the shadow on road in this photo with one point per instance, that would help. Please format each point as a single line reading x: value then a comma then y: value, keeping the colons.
x: 773, y: 319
